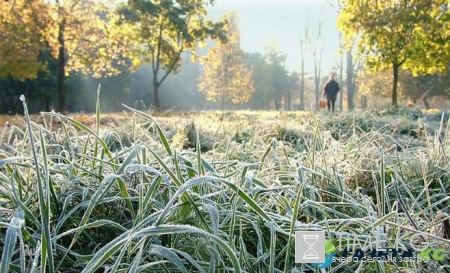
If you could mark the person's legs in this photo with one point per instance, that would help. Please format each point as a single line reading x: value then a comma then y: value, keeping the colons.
x: 328, y: 105
x: 333, y: 102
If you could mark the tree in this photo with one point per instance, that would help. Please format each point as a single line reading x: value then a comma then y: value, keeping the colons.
x: 159, y: 31
x: 431, y: 53
x: 352, y: 67
x: 374, y: 85
x: 279, y: 81
x: 337, y: 7
x: 293, y: 85
x: 396, y: 33
x: 262, y: 80
x: 352, y: 70
x: 341, y: 72
x: 303, y: 41
x: 317, y: 48
x: 82, y: 39
x: 19, y: 45
x: 225, y: 76
x: 77, y: 34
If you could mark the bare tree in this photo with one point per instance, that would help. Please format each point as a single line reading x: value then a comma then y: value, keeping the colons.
x: 341, y: 72
x: 336, y: 5
x: 352, y: 66
x: 303, y: 41
x: 316, y: 46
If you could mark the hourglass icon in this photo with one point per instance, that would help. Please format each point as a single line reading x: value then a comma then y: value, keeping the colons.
x: 310, y: 240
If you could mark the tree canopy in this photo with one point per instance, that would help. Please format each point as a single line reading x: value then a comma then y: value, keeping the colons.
x: 20, y: 42
x: 76, y: 33
x: 158, y: 32
x: 399, y: 33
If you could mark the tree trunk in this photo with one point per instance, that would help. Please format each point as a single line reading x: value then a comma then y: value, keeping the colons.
x: 222, y: 104
x: 288, y: 98
x: 395, y: 84
x: 316, y: 82
x: 341, y: 70
x: 61, y: 66
x: 276, y: 100
x: 302, y: 82
x: 302, y: 89
x: 426, y: 104
x: 363, y: 102
x: 156, y: 103
x: 317, y: 72
x: 350, y: 81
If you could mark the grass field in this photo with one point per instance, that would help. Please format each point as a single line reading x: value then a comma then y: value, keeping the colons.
x: 213, y: 192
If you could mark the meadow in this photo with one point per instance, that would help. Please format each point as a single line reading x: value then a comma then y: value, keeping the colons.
x: 219, y: 192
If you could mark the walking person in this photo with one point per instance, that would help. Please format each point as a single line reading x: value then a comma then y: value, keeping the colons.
x: 331, y: 90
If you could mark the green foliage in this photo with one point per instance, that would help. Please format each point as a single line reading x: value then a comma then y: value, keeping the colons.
x: 279, y: 82
x: 262, y: 79
x: 396, y: 33
x: 270, y: 78
x: 158, y: 32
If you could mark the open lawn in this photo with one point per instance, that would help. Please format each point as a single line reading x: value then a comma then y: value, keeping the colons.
x: 213, y: 192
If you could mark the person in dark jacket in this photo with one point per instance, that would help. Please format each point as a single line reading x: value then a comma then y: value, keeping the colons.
x: 331, y: 90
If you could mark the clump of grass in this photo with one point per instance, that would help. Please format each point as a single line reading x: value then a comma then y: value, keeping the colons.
x: 186, y: 138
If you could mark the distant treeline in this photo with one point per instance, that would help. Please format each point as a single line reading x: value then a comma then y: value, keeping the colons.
x: 179, y: 91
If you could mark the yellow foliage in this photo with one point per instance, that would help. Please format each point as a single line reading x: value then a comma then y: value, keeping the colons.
x: 410, y: 33
x: 225, y: 76
x: 19, y: 46
x: 30, y: 27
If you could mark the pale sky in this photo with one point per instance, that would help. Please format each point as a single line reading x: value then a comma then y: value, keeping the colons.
x: 284, y: 21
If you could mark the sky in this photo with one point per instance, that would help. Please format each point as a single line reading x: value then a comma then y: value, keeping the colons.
x: 284, y: 22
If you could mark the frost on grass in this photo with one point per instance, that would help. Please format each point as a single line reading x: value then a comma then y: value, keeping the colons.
x: 240, y: 196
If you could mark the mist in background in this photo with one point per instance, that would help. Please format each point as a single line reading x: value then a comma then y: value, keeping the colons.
x: 284, y: 22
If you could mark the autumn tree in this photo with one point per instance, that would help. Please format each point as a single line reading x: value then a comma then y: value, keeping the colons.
x: 159, y: 31
x: 77, y: 33
x: 82, y: 38
x: 225, y: 75
x: 374, y: 85
x: 19, y: 45
x: 393, y: 34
